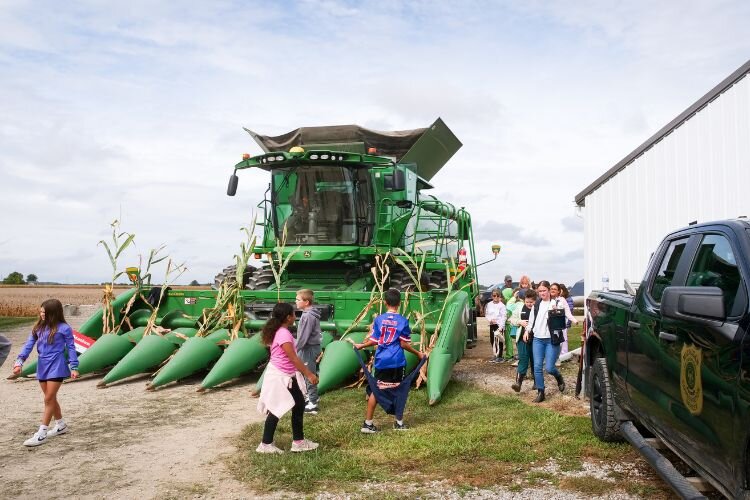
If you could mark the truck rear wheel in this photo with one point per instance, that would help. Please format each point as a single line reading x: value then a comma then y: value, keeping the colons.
x: 603, y: 422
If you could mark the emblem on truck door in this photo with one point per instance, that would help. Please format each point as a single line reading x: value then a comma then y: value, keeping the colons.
x: 691, y: 388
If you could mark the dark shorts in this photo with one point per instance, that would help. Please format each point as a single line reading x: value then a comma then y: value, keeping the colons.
x: 390, y: 374
x: 56, y: 379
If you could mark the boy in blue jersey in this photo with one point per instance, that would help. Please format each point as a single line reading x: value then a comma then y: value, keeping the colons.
x: 392, y: 335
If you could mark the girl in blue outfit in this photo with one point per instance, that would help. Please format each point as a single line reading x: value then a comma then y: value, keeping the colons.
x: 53, y: 337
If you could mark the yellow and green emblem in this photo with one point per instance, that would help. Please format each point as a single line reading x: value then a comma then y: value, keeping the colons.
x: 691, y: 387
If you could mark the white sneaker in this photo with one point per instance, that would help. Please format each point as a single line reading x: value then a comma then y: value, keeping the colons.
x: 36, y: 440
x: 57, y: 430
x: 268, y: 448
x: 304, y: 445
x: 311, y: 409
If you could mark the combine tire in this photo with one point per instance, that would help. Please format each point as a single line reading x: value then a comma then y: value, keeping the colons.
x: 603, y: 421
x: 229, y: 274
x: 438, y: 280
x: 261, y: 280
x: 401, y: 281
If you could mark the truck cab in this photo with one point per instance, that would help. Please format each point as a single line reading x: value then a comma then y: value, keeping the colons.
x: 675, y: 358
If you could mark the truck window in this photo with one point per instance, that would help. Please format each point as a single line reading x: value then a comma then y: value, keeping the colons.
x: 715, y: 265
x: 667, y: 269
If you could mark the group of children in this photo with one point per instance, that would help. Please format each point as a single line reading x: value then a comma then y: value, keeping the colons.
x: 290, y: 380
x: 539, y: 339
x: 291, y: 360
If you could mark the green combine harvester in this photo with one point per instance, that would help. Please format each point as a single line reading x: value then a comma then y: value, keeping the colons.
x: 342, y: 201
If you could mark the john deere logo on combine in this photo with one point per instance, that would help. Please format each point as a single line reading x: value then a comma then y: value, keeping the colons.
x: 307, y: 254
x: 691, y: 387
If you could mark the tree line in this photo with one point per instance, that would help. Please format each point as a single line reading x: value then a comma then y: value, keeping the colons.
x: 16, y: 278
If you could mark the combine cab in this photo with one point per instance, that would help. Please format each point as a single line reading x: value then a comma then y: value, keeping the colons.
x: 341, y: 202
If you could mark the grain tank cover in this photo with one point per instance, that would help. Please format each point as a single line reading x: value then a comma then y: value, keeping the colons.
x: 429, y: 148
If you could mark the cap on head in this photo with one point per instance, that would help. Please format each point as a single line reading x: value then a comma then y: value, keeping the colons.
x: 508, y: 277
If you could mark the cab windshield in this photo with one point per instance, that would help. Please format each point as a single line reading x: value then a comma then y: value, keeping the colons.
x: 316, y: 204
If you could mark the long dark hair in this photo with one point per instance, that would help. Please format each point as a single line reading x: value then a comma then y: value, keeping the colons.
x: 53, y: 316
x: 280, y: 313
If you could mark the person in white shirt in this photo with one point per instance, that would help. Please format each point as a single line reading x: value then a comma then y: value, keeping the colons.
x: 496, y: 313
x: 545, y: 353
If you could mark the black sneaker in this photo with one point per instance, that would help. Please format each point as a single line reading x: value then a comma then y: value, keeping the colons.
x: 311, y: 409
x: 368, y: 428
x: 400, y: 427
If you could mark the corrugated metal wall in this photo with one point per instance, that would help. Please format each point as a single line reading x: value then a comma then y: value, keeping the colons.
x: 700, y: 171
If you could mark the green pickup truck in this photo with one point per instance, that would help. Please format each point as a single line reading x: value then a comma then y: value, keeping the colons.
x: 673, y: 357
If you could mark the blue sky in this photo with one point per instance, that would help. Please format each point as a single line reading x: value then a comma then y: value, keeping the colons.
x: 137, y: 111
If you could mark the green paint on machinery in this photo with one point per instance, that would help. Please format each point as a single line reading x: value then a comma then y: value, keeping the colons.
x: 240, y: 357
x: 196, y: 354
x: 148, y: 354
x: 339, y: 362
x: 344, y: 200
x: 108, y: 350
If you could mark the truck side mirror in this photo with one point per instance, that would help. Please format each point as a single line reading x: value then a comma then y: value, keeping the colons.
x: 232, y: 188
x: 693, y: 303
x: 395, y: 181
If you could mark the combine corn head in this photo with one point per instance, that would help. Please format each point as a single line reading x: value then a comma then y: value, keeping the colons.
x: 347, y: 214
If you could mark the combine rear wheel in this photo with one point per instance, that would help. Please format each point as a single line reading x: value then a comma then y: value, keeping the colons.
x: 230, y: 273
x: 262, y: 279
x: 403, y: 282
x: 438, y: 279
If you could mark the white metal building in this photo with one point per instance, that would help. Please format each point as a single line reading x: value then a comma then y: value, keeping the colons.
x: 696, y: 168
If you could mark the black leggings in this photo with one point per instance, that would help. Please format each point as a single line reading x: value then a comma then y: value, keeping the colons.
x: 298, y: 414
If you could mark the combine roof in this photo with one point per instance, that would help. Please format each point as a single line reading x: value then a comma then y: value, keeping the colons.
x: 429, y: 148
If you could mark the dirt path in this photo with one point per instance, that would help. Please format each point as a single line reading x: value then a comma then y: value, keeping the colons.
x: 124, y: 442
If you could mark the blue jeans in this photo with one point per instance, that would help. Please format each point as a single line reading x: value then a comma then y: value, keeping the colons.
x: 544, y: 351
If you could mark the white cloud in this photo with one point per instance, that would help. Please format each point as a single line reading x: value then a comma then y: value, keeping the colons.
x: 136, y: 110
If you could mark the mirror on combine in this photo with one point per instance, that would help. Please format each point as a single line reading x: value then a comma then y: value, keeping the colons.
x: 232, y: 188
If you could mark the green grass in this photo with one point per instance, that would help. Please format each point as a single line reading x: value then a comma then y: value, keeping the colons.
x: 470, y: 439
x: 574, y: 336
x: 9, y: 322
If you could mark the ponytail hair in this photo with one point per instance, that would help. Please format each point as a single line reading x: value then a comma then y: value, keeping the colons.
x: 280, y: 313
x: 53, y: 316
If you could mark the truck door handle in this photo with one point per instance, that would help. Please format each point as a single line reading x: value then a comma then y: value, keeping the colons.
x: 634, y: 325
x: 669, y: 337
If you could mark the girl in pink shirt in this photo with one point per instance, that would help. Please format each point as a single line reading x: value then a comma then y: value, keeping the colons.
x: 283, y: 385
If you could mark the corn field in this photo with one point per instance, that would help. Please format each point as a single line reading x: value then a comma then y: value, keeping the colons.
x: 20, y: 301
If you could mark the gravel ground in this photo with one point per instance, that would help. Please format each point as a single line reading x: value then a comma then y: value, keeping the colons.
x: 126, y: 442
